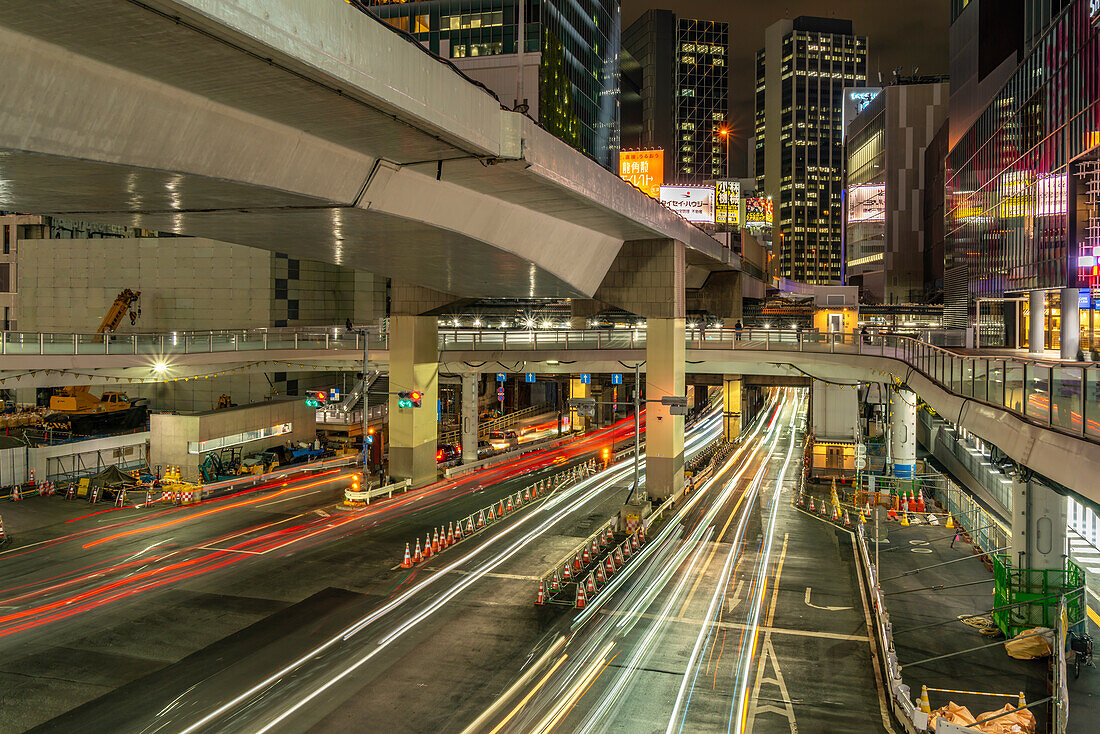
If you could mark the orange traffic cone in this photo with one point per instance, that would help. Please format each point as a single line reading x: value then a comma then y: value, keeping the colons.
x: 609, y: 535
x: 920, y: 501
x: 417, y: 556
x: 641, y: 534
x: 491, y: 516
x: 15, y: 494
x: 601, y: 578
x: 555, y: 585
x: 567, y: 575
x: 813, y: 507
x: 510, y: 508
x: 451, y: 534
x: 618, y: 557
x: 891, y: 514
x: 821, y: 508
x: 577, y: 562
x: 500, y: 510
x: 626, y: 548
x: 595, y: 548
x: 435, y: 541
x: 470, y: 526
x: 540, y: 598
x: 580, y: 597
x: 610, y: 566
x: 634, y: 541
x: 407, y: 563
x: 534, y: 491
x: 587, y: 557
x: 427, y: 546
x: 527, y: 494
x: 910, y: 502
x: 847, y: 520
x: 458, y: 531
x: 590, y: 585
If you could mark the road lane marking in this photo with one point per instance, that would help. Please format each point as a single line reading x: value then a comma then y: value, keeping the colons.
x: 815, y: 606
x: 232, y: 550
x: 292, y: 497
x: 737, y: 626
x: 491, y: 574
x: 769, y: 652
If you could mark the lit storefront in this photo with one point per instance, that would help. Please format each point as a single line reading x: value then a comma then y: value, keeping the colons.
x: 1023, y: 197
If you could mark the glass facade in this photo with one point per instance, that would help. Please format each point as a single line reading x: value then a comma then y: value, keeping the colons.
x: 817, y: 62
x: 702, y: 99
x: 865, y: 195
x: 577, y: 43
x: 1016, y: 180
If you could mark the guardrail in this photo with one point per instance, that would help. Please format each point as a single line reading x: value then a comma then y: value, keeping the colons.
x: 214, y: 488
x: 502, y: 421
x: 367, y: 495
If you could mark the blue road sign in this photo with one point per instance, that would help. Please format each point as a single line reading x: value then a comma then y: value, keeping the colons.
x: 616, y: 379
x: 530, y: 376
x: 586, y: 379
x: 500, y: 394
x: 501, y: 377
x: 370, y: 439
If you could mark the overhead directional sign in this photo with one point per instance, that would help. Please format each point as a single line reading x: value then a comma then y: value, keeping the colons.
x: 530, y: 376
x: 586, y: 379
x: 501, y: 377
x: 677, y: 405
x: 616, y: 379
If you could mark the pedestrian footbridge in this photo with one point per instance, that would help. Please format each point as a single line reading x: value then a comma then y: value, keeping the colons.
x: 1043, y: 414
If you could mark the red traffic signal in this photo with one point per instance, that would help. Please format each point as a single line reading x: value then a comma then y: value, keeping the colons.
x: 322, y: 395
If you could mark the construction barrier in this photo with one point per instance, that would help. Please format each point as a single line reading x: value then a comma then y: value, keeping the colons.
x: 477, y: 521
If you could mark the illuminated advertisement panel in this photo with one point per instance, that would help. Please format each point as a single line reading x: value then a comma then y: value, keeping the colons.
x: 693, y: 203
x: 727, y: 203
x: 643, y: 168
x: 758, y: 211
x: 866, y: 203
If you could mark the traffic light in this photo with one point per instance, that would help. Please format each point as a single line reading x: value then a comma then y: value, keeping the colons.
x: 606, y: 457
x: 316, y: 399
x: 355, y: 479
x: 409, y: 399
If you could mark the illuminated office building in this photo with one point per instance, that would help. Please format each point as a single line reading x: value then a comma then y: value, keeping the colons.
x: 1023, y: 174
x: 884, y: 224
x: 570, y: 78
x: 683, y: 68
x: 801, y: 74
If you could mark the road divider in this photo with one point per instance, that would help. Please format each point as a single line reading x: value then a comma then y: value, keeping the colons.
x: 456, y: 531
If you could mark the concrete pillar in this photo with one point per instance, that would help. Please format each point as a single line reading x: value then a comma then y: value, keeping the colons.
x: 1039, y: 531
x: 731, y: 407
x: 469, y: 417
x: 1036, y: 306
x: 1070, y: 320
x: 700, y: 393
x: 665, y: 367
x: 903, y: 432
x: 577, y: 389
x: 413, y: 366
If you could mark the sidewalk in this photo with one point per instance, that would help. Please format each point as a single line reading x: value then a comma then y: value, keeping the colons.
x: 943, y: 594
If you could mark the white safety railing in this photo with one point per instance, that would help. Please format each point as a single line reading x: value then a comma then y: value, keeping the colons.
x: 369, y: 494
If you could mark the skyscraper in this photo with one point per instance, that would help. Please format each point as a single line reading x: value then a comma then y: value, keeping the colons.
x: 570, y: 79
x: 685, y: 91
x: 801, y: 74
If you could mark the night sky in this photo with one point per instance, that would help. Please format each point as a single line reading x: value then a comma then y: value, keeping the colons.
x: 906, y: 34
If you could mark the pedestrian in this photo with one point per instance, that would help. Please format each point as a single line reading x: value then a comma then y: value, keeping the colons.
x: 865, y: 335
x: 737, y: 328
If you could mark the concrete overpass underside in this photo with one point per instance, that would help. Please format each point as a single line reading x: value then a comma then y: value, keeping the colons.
x: 309, y: 128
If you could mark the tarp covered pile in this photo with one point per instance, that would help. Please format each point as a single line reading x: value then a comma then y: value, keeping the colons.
x: 1020, y: 721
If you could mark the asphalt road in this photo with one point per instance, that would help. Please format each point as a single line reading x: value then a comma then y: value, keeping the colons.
x: 90, y: 604
x: 371, y: 646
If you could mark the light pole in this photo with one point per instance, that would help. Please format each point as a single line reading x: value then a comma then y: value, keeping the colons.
x: 365, y: 333
x: 725, y: 133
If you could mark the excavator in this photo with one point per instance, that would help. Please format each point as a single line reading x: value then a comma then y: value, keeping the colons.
x: 77, y: 410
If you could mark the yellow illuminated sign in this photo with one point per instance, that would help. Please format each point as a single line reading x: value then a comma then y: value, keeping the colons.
x: 643, y: 168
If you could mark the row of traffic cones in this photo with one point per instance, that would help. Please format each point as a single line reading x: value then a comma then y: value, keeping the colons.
x: 600, y: 574
x: 440, y: 541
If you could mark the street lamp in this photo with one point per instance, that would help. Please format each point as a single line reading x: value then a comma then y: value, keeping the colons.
x: 725, y: 133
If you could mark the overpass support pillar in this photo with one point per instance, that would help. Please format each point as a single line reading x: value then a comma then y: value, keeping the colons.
x: 1039, y: 526
x: 1070, y: 320
x: 1036, y: 325
x: 577, y: 389
x: 731, y: 407
x: 903, y: 432
x: 414, y: 349
x: 666, y: 353
x: 469, y: 417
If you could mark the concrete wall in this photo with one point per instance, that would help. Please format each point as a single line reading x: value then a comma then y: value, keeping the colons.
x: 185, y: 283
x: 170, y: 432
x: 835, y: 411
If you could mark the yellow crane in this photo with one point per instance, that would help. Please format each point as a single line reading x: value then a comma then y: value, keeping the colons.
x: 77, y: 399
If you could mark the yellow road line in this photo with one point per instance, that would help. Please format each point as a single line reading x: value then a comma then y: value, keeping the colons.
x: 529, y: 695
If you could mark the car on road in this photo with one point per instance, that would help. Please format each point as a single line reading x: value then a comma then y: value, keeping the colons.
x: 447, y: 452
x: 484, y: 448
x: 503, y: 439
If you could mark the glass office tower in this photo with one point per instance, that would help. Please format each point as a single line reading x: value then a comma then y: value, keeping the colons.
x: 801, y: 74
x: 570, y: 82
x: 1022, y: 226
